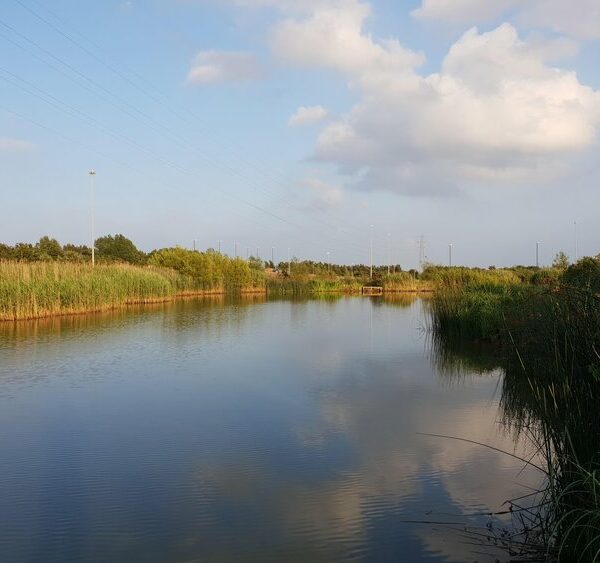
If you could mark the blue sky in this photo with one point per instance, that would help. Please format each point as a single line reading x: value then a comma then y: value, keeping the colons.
x: 299, y: 124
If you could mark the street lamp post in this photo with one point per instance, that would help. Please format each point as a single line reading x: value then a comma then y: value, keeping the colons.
x: 450, y: 254
x: 371, y: 253
x: 389, y: 252
x: 92, y: 174
x: 576, y: 242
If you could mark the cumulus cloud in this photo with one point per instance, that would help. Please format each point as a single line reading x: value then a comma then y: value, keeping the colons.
x: 331, y: 36
x: 462, y: 11
x: 496, y: 110
x: 325, y: 195
x: 307, y: 116
x: 9, y: 144
x: 210, y: 67
x: 577, y: 18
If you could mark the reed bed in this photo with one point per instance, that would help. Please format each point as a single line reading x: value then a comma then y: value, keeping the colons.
x: 307, y: 285
x: 546, y: 336
x: 41, y: 289
x: 401, y: 282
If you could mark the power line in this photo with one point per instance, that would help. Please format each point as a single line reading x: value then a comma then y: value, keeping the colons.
x: 124, y: 77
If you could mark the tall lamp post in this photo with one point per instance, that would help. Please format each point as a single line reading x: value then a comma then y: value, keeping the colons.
x: 92, y: 174
x: 576, y: 242
x: 371, y: 252
x: 450, y: 255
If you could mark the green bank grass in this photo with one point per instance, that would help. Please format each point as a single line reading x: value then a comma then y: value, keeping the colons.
x: 40, y: 289
x: 544, y: 331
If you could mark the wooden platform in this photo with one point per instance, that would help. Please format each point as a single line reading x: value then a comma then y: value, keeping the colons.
x: 372, y: 290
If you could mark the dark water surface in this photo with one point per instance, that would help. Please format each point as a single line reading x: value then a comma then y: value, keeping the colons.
x: 244, y: 430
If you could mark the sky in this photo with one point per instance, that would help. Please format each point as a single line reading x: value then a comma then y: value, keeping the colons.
x: 316, y: 126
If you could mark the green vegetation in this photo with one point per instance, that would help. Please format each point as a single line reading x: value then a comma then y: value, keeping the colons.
x: 41, y: 289
x: 543, y: 328
x: 211, y: 271
x: 47, y: 278
x: 118, y: 248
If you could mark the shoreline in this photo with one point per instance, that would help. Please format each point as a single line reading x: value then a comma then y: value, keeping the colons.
x: 204, y: 293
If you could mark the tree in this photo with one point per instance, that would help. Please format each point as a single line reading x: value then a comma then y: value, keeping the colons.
x: 49, y: 249
x: 76, y: 252
x: 119, y: 247
x: 6, y: 252
x: 25, y: 251
x: 561, y: 261
x: 256, y: 263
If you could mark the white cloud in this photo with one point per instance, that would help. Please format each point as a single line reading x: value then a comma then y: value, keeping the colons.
x: 576, y: 18
x: 330, y: 36
x: 326, y: 195
x: 462, y: 11
x: 8, y: 144
x: 211, y: 67
x: 307, y: 116
x: 496, y: 110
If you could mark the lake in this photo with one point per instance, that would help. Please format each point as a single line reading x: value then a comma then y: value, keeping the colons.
x: 247, y: 429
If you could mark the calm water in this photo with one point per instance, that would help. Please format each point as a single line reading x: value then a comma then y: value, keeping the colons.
x: 222, y: 430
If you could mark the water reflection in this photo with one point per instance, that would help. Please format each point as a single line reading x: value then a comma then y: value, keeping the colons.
x: 226, y: 430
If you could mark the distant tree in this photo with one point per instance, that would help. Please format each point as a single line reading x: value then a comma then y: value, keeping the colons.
x: 49, y: 249
x: 6, y: 252
x: 25, y: 251
x: 73, y: 251
x: 584, y: 274
x: 561, y: 261
x: 256, y: 263
x: 119, y: 247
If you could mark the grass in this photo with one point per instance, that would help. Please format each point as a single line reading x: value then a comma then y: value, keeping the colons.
x: 41, y: 289
x: 306, y: 285
x: 31, y: 290
x: 403, y: 282
x: 545, y: 333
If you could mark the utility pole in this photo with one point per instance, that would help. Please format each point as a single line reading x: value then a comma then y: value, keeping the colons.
x: 257, y: 253
x: 92, y: 174
x: 247, y: 253
x: 537, y: 254
x: 220, y: 241
x: 371, y: 253
x: 389, y: 253
x: 576, y: 243
x: 450, y: 255
x: 421, y: 251
x: 194, y: 245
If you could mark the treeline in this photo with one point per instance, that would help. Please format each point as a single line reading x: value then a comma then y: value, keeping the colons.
x: 117, y: 248
x: 299, y: 268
